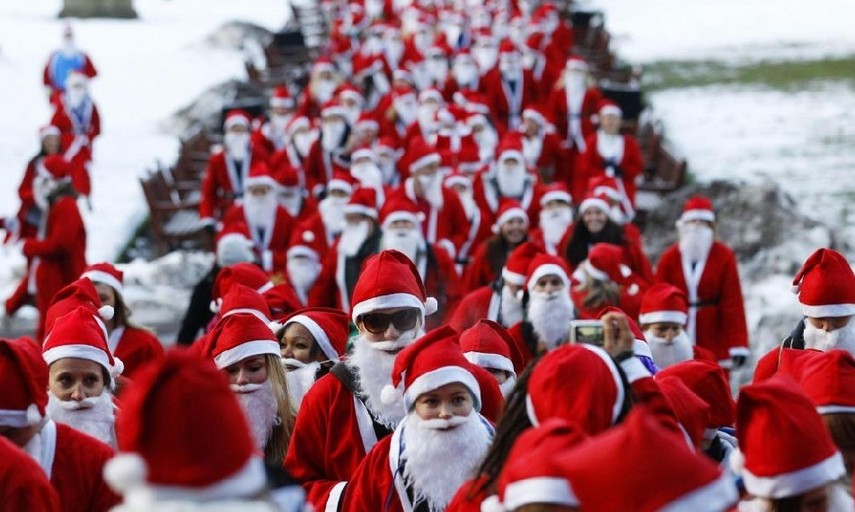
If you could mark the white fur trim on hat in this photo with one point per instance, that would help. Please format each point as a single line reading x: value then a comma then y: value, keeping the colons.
x: 343, y: 185
x: 676, y: 317
x: 634, y: 369
x: 512, y: 277
x: 457, y: 179
x: 246, y: 349
x: 794, y: 482
x: 529, y: 410
x: 547, y: 270
x: 393, y: 300
x: 281, y: 102
x: 611, y: 109
x: 402, y: 215
x: 254, y: 312
x: 334, y: 110
x: 364, y: 152
x: 551, y: 490
x: 556, y: 195
x: 510, y: 213
x: 828, y: 310
x: 261, y: 180
x: 360, y: 210
x: 302, y: 250
x: 20, y: 418
x: 594, y: 272
x: 511, y: 153
x: 236, y: 120
x: 98, y: 276
x: 707, y: 215
x: 435, y: 379
x: 595, y: 203
x: 490, y: 361
x: 835, y: 409
x: 321, y: 337
x: 641, y: 348
x: 720, y: 494
x: 431, y: 158
x: 87, y: 352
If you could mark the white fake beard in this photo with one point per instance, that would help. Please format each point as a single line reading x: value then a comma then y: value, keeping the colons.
x: 843, y: 338
x: 75, y: 97
x: 291, y: 203
x: 302, y: 273
x: 260, y: 211
x: 508, y: 386
x: 259, y: 406
x: 42, y: 188
x: 432, y: 186
x: 511, y: 181
x: 469, y: 205
x: 550, y: 315
x: 324, y: 90
x: 368, y: 174
x: 695, y: 241
x: 373, y: 366
x: 303, y: 143
x: 278, y: 123
x: 352, y: 238
x: 300, y: 379
x: 512, y: 312
x: 666, y: 353
x: 438, y: 71
x: 407, y: 111
x: 554, y: 223
x: 408, y: 241
x: 237, y: 145
x: 425, y: 116
x: 331, y: 210
x: 486, y: 58
x: 331, y: 134
x: 532, y: 147
x: 441, y: 455
x: 575, y: 83
x: 94, y: 416
x: 465, y: 75
x: 487, y: 141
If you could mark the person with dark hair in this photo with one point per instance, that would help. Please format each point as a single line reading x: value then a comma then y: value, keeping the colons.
x: 131, y: 343
x: 602, y: 280
x: 510, y: 230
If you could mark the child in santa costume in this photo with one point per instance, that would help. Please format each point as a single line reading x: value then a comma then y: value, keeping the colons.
x: 342, y: 416
x: 244, y: 348
x: 72, y: 461
x: 129, y: 342
x: 180, y: 408
x: 489, y: 346
x: 82, y: 373
x: 439, y: 443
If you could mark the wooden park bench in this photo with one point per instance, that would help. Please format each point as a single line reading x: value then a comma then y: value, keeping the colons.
x: 174, y: 220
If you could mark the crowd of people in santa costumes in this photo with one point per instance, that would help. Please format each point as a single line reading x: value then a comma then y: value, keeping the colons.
x: 400, y: 250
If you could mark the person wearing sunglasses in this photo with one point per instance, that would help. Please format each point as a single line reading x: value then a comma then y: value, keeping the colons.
x: 347, y: 412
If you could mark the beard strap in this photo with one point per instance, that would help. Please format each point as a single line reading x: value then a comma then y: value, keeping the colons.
x: 347, y: 376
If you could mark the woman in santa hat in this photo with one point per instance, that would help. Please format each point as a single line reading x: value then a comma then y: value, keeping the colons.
x: 82, y: 374
x: 245, y: 349
x: 439, y: 443
x: 602, y: 280
x: 129, y: 342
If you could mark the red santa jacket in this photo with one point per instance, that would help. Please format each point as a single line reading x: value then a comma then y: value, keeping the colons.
x: 481, y: 272
x: 485, y: 189
x: 273, y: 246
x: 51, y: 74
x: 630, y: 163
x: 223, y: 183
x: 480, y: 303
x: 446, y: 225
x: 332, y: 434
x: 77, y: 470
x: 507, y: 106
x: 469, y: 496
x: 717, y: 310
x: 87, y: 122
x: 23, y: 484
x: 135, y: 347
x: 58, y: 257
x: 543, y: 153
x: 314, y: 232
x: 320, y: 167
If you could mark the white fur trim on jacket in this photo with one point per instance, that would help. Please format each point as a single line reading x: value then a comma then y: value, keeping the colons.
x: 246, y: 349
x: 794, y: 482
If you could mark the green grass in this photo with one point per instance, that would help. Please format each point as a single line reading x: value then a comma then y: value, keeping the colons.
x: 781, y: 75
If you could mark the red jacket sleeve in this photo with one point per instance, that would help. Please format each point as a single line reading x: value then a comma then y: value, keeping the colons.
x: 372, y: 483
x: 732, y: 306
x: 63, y: 235
x: 323, y: 292
x: 210, y: 189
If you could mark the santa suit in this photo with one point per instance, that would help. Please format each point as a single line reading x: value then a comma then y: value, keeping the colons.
x: 23, y: 484
x: 339, y: 274
x: 289, y: 156
x: 321, y: 166
x: 488, y: 196
x: 135, y: 347
x: 480, y: 272
x: 331, y: 436
x: 483, y: 302
x: 469, y: 496
x: 507, y: 104
x: 444, y: 225
x: 74, y: 463
x: 270, y: 242
x: 603, y: 152
x: 716, y: 308
x: 57, y: 256
x: 59, y: 65
x: 83, y: 120
x: 574, y: 125
x: 314, y: 231
x: 634, y: 256
x: 224, y: 183
x: 543, y: 151
x: 436, y: 268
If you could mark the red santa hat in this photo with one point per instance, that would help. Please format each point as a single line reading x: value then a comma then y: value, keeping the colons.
x: 362, y: 202
x: 259, y: 174
x: 800, y: 454
x: 577, y: 383
x: 281, y: 98
x: 349, y: 91
x: 544, y: 264
x: 24, y: 381
x: 234, y: 242
x: 826, y: 285
x: 239, y: 336
x: 576, y: 63
x: 76, y: 294
x: 458, y: 178
x: 48, y: 130
x: 516, y: 266
x: 401, y: 208
x: 432, y: 361
x: 390, y: 280
x: 639, y: 342
x: 658, y: 471
x: 692, y: 411
x: 534, y: 41
x: 509, y: 209
x: 511, y: 146
x: 305, y: 243
x: 236, y: 117
x: 536, y: 114
x: 534, y: 472
x: 488, y: 345
x: 286, y: 176
x: 341, y: 181
x: 282, y: 301
x: 77, y: 334
x: 492, y: 400
x: 507, y: 47
x: 106, y: 273
x: 609, y: 108
x: 297, y: 123
x: 698, y: 208
x: 330, y: 328
x: 664, y: 302
x: 555, y: 192
x: 421, y: 154
x: 599, y: 201
x: 605, y: 263
x: 604, y: 186
x: 828, y: 379
x: 182, y: 431
x: 247, y: 274
x: 363, y: 152
x: 366, y: 121
x: 333, y: 108
x: 243, y: 299
x: 323, y: 63
x: 708, y: 381
x: 431, y: 93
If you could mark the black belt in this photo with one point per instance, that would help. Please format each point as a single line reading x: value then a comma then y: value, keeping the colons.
x: 703, y: 303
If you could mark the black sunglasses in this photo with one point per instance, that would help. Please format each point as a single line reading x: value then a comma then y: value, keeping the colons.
x: 403, y: 320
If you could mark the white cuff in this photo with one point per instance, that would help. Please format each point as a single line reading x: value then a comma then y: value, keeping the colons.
x: 634, y: 369
x: 739, y: 351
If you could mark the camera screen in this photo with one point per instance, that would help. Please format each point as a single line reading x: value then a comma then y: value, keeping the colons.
x: 590, y: 334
